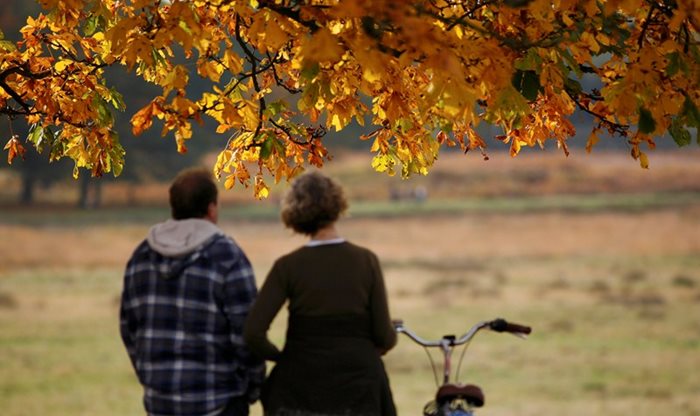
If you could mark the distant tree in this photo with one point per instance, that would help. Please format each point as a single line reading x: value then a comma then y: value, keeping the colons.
x: 34, y: 170
x: 150, y: 159
x: 433, y: 70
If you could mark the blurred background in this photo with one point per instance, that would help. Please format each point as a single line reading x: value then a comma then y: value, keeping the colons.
x: 599, y: 256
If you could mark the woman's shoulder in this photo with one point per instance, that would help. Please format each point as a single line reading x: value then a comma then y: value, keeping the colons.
x: 359, y: 249
x: 345, y: 248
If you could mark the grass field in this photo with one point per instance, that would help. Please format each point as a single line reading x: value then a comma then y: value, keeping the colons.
x: 610, y: 284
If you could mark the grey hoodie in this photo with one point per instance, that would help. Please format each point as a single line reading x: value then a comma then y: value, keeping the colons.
x: 180, y: 243
x: 178, y: 238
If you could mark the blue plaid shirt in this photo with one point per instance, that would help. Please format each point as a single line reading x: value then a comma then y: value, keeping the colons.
x: 182, y: 321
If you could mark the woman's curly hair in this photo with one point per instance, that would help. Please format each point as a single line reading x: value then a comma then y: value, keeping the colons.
x: 313, y: 202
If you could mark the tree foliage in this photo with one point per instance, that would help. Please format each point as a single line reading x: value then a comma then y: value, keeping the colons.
x: 422, y: 73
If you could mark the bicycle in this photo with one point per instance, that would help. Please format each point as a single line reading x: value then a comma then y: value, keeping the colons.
x: 454, y: 398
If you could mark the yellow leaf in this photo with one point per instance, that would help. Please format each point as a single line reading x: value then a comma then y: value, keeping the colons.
x: 180, y: 137
x: 261, y: 190
x: 593, y: 139
x: 223, y: 163
x: 210, y: 69
x: 337, y: 122
x: 184, y: 106
x: 62, y: 64
x: 384, y: 163
x: 176, y: 79
x: 233, y: 62
x: 250, y: 115
x: 590, y: 41
x: 322, y: 47
x: 230, y: 181
x: 643, y: 160
x: 370, y: 75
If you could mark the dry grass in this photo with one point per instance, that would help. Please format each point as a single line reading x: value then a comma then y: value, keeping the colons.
x: 614, y: 298
x: 608, y: 295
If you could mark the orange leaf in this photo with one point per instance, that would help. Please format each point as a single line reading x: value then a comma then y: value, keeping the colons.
x: 592, y: 141
x: 143, y: 119
x: 14, y: 148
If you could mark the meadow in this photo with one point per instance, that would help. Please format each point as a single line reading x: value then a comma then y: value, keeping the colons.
x: 601, y: 258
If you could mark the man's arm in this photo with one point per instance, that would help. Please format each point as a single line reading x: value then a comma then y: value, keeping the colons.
x: 126, y: 321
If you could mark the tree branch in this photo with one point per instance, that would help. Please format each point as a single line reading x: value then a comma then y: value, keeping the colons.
x: 617, y: 128
x: 645, y: 26
x: 291, y: 13
x: 254, y: 73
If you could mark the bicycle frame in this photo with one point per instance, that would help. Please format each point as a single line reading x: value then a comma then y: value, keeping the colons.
x: 454, y: 399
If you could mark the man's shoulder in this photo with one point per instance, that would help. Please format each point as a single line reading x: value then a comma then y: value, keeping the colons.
x: 222, y: 247
x: 141, y: 250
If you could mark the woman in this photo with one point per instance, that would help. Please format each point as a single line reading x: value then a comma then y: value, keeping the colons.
x: 339, y: 323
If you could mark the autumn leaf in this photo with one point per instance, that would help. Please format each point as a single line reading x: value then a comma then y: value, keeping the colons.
x: 643, y: 160
x: 14, y: 148
x: 421, y: 75
x: 143, y: 119
x: 261, y: 190
x: 322, y: 46
x: 593, y: 139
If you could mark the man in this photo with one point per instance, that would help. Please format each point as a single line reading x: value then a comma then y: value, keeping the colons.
x: 187, y: 292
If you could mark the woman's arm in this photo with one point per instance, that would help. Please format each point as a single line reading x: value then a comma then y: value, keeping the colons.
x: 382, y: 330
x: 268, y: 303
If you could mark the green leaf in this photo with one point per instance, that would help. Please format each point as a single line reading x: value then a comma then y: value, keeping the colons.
x: 679, y: 133
x: 309, y: 97
x: 91, y: 25
x: 116, y: 154
x: 531, y: 61
x: 266, y: 148
x: 446, y: 126
x: 276, y: 107
x: 7, y: 46
x: 309, y: 72
x: 527, y: 83
x: 508, y: 108
x: 36, y: 136
x: 573, y: 86
x: 116, y: 99
x: 646, y: 122
x: 674, y: 64
x: 690, y: 112
x: 571, y: 62
x: 104, y: 116
x: 279, y: 147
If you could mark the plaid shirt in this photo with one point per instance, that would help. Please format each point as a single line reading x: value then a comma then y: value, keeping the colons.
x: 182, y: 321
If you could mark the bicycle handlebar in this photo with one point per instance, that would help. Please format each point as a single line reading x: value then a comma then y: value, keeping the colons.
x: 498, y: 325
x: 501, y: 325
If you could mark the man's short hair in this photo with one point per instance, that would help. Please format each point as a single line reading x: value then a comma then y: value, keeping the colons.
x: 191, y: 193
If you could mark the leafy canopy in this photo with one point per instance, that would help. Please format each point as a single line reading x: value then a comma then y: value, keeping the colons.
x: 424, y: 73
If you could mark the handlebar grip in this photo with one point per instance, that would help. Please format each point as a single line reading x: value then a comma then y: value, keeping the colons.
x: 501, y: 325
x: 397, y: 323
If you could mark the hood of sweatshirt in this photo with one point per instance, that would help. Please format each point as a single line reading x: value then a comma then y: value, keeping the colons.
x: 179, y: 238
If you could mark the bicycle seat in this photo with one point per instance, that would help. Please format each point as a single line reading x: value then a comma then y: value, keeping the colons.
x: 469, y: 392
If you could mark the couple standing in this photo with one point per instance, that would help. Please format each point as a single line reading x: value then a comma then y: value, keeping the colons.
x: 196, y: 329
